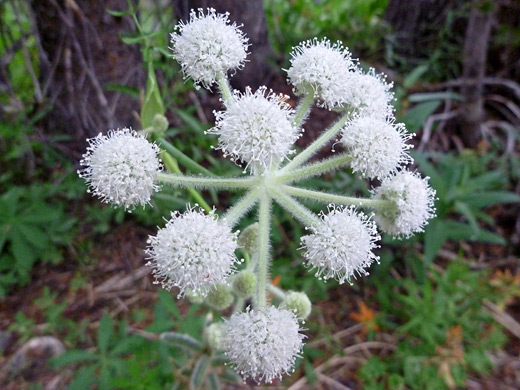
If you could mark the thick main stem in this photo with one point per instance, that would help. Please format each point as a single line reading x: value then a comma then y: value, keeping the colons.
x: 339, y: 199
x: 206, y: 182
x: 305, y: 154
x: 262, y: 267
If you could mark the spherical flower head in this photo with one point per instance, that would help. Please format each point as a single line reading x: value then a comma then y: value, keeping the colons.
x: 193, y: 251
x: 370, y: 94
x: 322, y: 68
x: 341, y: 245
x: 263, y: 345
x: 121, y: 168
x: 377, y: 146
x: 413, y: 204
x: 256, y: 128
x: 208, y: 45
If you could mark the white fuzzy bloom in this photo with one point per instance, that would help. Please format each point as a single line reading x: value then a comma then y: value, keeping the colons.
x: 193, y: 251
x: 414, y: 204
x: 121, y: 168
x: 377, y: 146
x: 208, y: 45
x: 256, y: 128
x: 341, y: 245
x: 263, y: 345
x: 322, y: 68
x: 370, y: 94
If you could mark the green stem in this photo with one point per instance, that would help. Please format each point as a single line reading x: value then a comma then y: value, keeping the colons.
x: 180, y: 180
x: 262, y: 267
x: 276, y: 291
x: 303, y: 110
x: 315, y: 169
x: 183, y: 159
x: 299, y: 211
x: 172, y: 166
x: 305, y: 154
x: 225, y: 89
x: 339, y: 199
x: 233, y: 215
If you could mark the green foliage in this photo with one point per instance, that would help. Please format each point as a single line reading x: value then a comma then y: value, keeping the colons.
x: 466, y: 185
x: 291, y: 22
x: 444, y: 332
x: 33, y: 227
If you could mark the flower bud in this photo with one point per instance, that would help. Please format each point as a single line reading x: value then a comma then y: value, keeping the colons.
x: 219, y: 297
x: 159, y: 124
x: 244, y: 284
x: 214, y: 335
x: 248, y: 238
x: 297, y: 302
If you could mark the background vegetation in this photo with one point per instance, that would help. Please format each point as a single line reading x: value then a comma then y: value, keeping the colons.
x: 77, y: 307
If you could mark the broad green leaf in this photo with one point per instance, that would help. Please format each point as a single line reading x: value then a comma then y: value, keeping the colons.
x: 461, y: 231
x: 181, y: 340
x: 105, y: 331
x: 73, y: 356
x: 23, y: 253
x: 199, y: 371
x: 34, y: 235
x: 415, y: 75
x: 84, y: 379
x: 153, y: 103
x: 463, y: 209
x: 415, y: 118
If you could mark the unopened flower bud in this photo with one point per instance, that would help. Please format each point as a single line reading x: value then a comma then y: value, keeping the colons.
x: 219, y: 297
x: 159, y: 124
x: 244, y: 284
x: 297, y: 302
x: 214, y: 335
x: 248, y: 238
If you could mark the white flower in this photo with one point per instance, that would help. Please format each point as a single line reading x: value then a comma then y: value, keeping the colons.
x: 208, y: 45
x: 413, y: 200
x: 377, y: 146
x: 256, y: 129
x: 121, y: 168
x: 322, y: 68
x: 263, y: 345
x: 341, y: 245
x: 370, y: 94
x: 193, y: 251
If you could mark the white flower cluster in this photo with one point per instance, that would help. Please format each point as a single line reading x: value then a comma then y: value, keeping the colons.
x: 263, y: 345
x: 121, y: 168
x: 208, y: 46
x: 195, y: 251
x: 256, y: 128
x: 341, y: 246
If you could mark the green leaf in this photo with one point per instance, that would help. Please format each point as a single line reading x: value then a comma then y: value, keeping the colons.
x: 181, y: 340
x: 125, y: 89
x: 84, y: 378
x: 213, y: 381
x: 105, y: 331
x: 190, y: 120
x: 489, y: 198
x: 415, y: 75
x: 118, y: 13
x: 415, y: 118
x: 434, y: 238
x: 165, y: 298
x: 461, y: 231
x: 199, y: 371
x: 153, y: 102
x: 73, y: 356
x: 429, y: 96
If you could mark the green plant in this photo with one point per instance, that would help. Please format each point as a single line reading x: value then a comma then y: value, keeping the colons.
x: 444, y: 332
x: 466, y: 185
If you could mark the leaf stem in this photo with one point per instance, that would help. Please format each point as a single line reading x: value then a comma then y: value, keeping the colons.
x: 299, y: 211
x: 225, y: 89
x: 303, y: 109
x: 315, y: 169
x: 184, y: 159
x: 233, y: 215
x: 179, y: 180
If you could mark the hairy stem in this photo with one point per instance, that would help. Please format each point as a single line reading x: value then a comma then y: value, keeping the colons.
x: 233, y: 215
x: 305, y: 154
x: 303, y: 110
x: 206, y: 182
x: 225, y: 89
x: 172, y: 166
x: 299, y: 211
x: 262, y: 267
x: 339, y: 199
x: 315, y: 169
